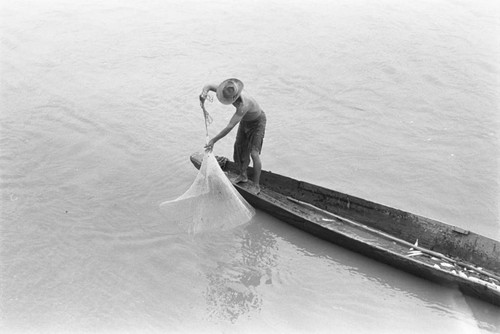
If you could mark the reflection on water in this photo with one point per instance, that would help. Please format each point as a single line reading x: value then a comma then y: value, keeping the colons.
x: 254, y: 268
x: 232, y: 290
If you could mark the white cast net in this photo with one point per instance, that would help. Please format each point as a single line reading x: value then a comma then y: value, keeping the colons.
x: 211, y: 203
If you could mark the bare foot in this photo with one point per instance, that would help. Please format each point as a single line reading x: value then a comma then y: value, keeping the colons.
x: 241, y: 179
x: 256, y: 189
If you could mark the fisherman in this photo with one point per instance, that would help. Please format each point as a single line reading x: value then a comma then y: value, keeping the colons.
x: 251, y: 129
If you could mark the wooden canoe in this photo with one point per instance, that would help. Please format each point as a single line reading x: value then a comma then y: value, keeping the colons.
x: 427, y: 248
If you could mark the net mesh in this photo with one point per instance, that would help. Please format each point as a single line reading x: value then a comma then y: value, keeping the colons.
x: 210, y: 203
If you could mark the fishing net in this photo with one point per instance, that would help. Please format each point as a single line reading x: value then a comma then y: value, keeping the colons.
x: 211, y: 203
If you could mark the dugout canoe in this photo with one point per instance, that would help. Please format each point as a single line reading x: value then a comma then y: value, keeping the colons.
x: 439, y: 252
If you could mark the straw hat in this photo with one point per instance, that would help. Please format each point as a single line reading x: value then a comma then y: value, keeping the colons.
x: 229, y: 91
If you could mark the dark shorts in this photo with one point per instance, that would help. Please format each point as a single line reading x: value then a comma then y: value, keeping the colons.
x: 250, y: 137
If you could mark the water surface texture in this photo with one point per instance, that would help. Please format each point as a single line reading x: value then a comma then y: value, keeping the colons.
x: 396, y: 102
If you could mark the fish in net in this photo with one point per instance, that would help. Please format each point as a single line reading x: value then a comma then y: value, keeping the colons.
x: 211, y: 203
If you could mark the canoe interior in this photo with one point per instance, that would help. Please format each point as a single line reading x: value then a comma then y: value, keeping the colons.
x: 456, y: 243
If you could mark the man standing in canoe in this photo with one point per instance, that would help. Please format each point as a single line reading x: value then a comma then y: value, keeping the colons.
x: 251, y: 129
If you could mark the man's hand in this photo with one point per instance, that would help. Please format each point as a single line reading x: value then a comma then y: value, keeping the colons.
x: 203, y: 96
x: 210, y: 146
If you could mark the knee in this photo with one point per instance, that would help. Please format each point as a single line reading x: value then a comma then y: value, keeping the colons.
x: 254, y: 154
x: 255, y: 157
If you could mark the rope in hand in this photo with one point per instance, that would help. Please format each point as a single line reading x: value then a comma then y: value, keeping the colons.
x: 208, y: 120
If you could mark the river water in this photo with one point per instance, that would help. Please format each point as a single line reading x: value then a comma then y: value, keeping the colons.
x: 396, y: 102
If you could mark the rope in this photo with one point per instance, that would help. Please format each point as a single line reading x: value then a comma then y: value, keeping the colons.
x: 208, y: 120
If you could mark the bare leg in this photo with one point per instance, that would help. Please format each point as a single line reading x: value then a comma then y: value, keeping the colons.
x: 257, y: 167
x: 242, y: 178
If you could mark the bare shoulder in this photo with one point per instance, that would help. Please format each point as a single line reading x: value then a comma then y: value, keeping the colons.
x: 249, y: 103
x: 247, y: 98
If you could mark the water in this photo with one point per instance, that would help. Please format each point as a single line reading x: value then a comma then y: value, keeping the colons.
x: 397, y: 103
